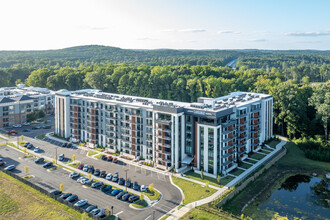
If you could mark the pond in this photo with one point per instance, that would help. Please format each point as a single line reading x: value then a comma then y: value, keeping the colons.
x: 298, y: 197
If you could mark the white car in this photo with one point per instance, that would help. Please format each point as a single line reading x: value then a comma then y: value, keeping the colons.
x: 74, y: 175
x: 17, y: 126
x: 81, y: 203
x: 36, y: 150
x: 143, y: 188
x: 26, y: 123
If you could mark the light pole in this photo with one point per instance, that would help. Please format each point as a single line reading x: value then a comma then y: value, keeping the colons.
x: 126, y: 180
x: 56, y: 154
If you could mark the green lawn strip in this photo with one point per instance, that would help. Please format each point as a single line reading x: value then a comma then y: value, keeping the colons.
x: 140, y: 204
x: 20, y: 201
x: 237, y: 172
x: 6, y: 135
x: 210, y: 180
x: 21, y: 143
x: 293, y: 160
x: 198, y: 213
x: 98, y: 156
x: 164, y: 217
x: 91, y: 153
x: 42, y: 136
x: 251, y: 161
x: 74, y: 165
x: 154, y: 195
x: 192, y: 191
x: 245, y: 165
x: 274, y: 143
x: 257, y: 156
x: 98, y: 149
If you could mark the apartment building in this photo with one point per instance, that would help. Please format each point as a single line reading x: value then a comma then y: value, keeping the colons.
x: 212, y: 134
x: 17, y: 102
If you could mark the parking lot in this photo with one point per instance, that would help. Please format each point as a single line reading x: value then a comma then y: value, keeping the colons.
x: 171, y: 195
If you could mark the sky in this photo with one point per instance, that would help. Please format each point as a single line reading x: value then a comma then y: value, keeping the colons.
x: 175, y: 24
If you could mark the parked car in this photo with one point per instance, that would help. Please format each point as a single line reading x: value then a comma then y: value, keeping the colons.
x: 26, y: 144
x: 133, y: 198
x: 61, y: 157
x: 95, y: 211
x: 80, y: 166
x: 65, y: 195
x: 109, y: 158
x: 26, y: 123
x: 26, y: 130
x: 74, y: 175
x: 64, y: 145
x: 103, y: 174
x: 115, y: 160
x: 97, y: 172
x: 103, y: 157
x: 116, y: 192
x: 120, y: 195
x: 91, y: 208
x: 126, y: 196
x: 101, y: 213
x: 48, y: 164
x: 106, y: 188
x: 136, y: 186
x: 36, y: 150
x: 2, y: 162
x: 55, y: 192
x: 81, y: 178
x: 86, y: 181
x: 143, y: 188
x: 115, y: 177
x: 35, y: 127
x: 85, y: 168
x: 90, y: 169
x: 72, y: 198
x: 12, y: 132
x: 69, y: 145
x: 97, y: 184
x: 39, y: 160
x: 81, y: 203
x: 17, y: 126
x: 30, y: 146
x: 128, y: 183
x: 47, y: 127
x: 121, y: 181
x: 10, y: 167
x: 109, y: 176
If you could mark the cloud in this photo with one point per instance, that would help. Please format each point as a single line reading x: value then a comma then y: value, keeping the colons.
x: 310, y: 42
x: 193, y: 30
x: 93, y: 28
x: 309, y: 34
x: 228, y: 32
x: 146, y: 39
x: 258, y: 40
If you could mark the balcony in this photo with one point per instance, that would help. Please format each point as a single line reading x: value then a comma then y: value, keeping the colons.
x: 228, y: 123
x: 227, y: 139
x: 226, y: 132
x: 255, y: 110
x: 163, y: 121
x: 227, y: 147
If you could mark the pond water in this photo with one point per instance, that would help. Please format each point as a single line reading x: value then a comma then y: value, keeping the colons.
x: 298, y: 197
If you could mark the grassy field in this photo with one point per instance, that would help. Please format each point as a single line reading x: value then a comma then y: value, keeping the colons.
x: 257, y: 156
x: 19, y: 201
x: 294, y: 160
x: 91, y: 153
x: 210, y: 180
x: 192, y: 191
x: 201, y: 214
x: 74, y: 165
x: 140, y: 204
x: 42, y: 136
x: 237, y: 172
x: 274, y: 143
x: 245, y: 165
x: 155, y: 195
x: 98, y: 156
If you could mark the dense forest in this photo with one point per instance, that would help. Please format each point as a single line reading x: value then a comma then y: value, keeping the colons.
x: 298, y: 80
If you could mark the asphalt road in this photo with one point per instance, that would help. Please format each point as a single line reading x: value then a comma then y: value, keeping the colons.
x: 171, y: 195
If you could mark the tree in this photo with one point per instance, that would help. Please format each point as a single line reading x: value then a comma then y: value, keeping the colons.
x: 89, y: 176
x: 151, y: 187
x: 26, y: 169
x: 207, y: 184
x: 22, y: 137
x: 141, y: 196
x: 321, y: 101
x: 54, y: 161
x: 218, y: 179
x: 25, y: 150
x: 202, y: 177
x: 41, y: 114
x: 61, y: 187
x: 73, y: 157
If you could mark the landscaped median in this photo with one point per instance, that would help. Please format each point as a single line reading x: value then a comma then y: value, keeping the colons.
x: 91, y: 153
x: 210, y: 180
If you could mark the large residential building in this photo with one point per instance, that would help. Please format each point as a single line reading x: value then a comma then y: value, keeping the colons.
x: 211, y: 134
x: 17, y: 102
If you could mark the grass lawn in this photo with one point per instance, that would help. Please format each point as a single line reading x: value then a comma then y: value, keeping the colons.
x: 251, y: 161
x: 98, y: 156
x: 42, y: 136
x: 21, y: 143
x: 91, y: 153
x: 237, y: 172
x: 164, y: 217
x: 198, y: 213
x: 155, y: 195
x: 257, y: 156
x: 274, y: 143
x: 19, y: 201
x: 212, y: 181
x: 6, y: 135
x: 74, y: 165
x: 293, y: 160
x: 245, y: 165
x: 140, y: 204
x: 192, y: 191
x: 99, y: 149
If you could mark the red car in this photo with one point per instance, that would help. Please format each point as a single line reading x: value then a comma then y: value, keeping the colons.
x: 115, y: 160
x: 2, y: 163
x: 80, y: 166
x: 12, y: 132
x: 109, y: 158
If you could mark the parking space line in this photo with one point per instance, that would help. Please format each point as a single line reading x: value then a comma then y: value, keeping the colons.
x: 119, y: 213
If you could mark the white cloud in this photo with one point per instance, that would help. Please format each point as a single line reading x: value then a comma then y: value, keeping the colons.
x: 309, y: 34
x: 188, y: 30
x: 228, y: 32
x: 258, y: 40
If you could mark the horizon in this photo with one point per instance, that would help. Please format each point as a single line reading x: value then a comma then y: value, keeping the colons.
x: 178, y: 25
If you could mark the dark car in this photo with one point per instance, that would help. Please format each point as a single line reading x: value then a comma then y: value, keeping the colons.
x: 97, y: 172
x: 101, y: 213
x: 47, y: 127
x: 80, y: 166
x: 121, y: 181
x: 69, y: 145
x: 136, y: 186
x: 128, y: 183
x: 26, y: 130
x: 103, y: 174
x: 126, y: 196
x: 39, y: 160
x: 106, y: 188
x: 96, y: 184
x: 115, y: 160
x: 116, y: 192
x: 133, y: 198
x: 61, y: 157
x: 35, y: 127
x: 2, y: 163
x: 55, y: 192
x: 91, y: 208
x: 104, y: 157
x: 109, y: 158
x: 72, y: 198
x: 95, y: 211
x: 120, y: 195
x: 64, y: 145
x: 12, y: 132
x: 90, y: 169
x: 30, y: 146
x: 65, y: 195
x: 48, y: 164
x: 26, y: 144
